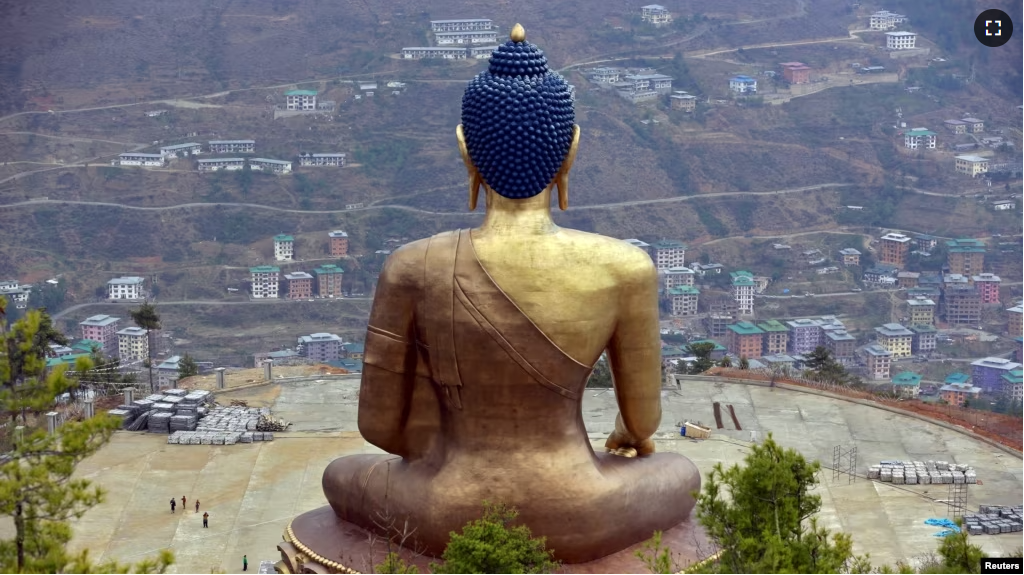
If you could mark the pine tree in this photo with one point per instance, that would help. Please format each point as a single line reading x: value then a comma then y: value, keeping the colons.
x: 37, y: 490
x: 702, y: 351
x: 492, y: 545
x: 187, y: 367
x: 148, y: 319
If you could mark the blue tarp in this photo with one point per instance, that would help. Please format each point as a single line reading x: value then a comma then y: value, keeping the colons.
x: 950, y: 526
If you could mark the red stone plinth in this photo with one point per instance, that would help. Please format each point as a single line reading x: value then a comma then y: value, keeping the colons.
x: 319, y: 542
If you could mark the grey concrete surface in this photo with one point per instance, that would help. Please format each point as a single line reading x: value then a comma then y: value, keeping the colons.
x: 252, y: 491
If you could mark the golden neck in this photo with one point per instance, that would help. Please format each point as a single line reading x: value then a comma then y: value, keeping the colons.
x: 529, y: 216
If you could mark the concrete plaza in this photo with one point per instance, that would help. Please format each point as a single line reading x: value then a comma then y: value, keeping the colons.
x: 252, y: 490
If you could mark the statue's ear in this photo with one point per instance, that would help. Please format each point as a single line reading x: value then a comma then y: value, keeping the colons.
x: 562, y: 177
x: 475, y: 180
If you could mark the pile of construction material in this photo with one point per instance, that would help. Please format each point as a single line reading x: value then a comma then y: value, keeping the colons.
x: 994, y: 519
x: 218, y: 437
x: 228, y: 425
x: 233, y: 418
x: 268, y: 422
x: 922, y: 472
x: 165, y: 412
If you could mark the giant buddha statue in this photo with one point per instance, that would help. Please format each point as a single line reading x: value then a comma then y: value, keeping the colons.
x: 480, y: 343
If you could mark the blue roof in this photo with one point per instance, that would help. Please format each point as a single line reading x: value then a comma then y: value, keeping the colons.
x: 742, y: 78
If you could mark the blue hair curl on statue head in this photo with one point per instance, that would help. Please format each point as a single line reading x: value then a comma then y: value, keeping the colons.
x: 517, y: 121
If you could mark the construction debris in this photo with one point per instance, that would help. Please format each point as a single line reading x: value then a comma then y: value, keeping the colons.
x: 267, y: 422
x: 922, y: 472
x: 994, y: 519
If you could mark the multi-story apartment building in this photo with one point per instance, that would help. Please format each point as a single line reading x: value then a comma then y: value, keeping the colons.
x: 680, y: 100
x: 461, y: 25
x: 974, y: 125
x: 746, y: 340
x: 900, y: 40
x: 919, y: 139
x: 878, y: 361
x: 139, y: 159
x: 682, y: 300
x: 126, y: 288
x: 851, y: 257
x: 885, y: 20
x: 962, y: 304
x: 906, y: 384
x: 1013, y: 385
x: 102, y: 328
x: 922, y: 311
x: 132, y: 344
x: 677, y: 276
x: 304, y: 100
x: 232, y: 146
x: 15, y: 293
x: 181, y: 150
x: 334, y: 159
x: 743, y: 84
x: 896, y: 339
x: 339, y: 243
x: 743, y: 290
x: 217, y: 164
x: 668, y: 254
x: 442, y: 52
x: 796, y: 72
x: 1015, y: 321
x: 321, y: 347
x: 924, y: 338
x: 167, y: 372
x: 300, y: 285
x: 958, y: 394
x: 655, y: 14
x: 284, y: 248
x: 988, y: 287
x: 965, y: 256
x: 270, y: 165
x: 971, y: 165
x: 328, y: 280
x: 842, y: 345
x: 804, y: 335
x: 265, y: 281
x: 907, y: 280
x: 987, y: 373
x: 488, y: 37
x: 893, y: 249
x: 776, y: 337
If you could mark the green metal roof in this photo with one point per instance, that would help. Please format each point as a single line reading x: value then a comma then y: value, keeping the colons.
x: 300, y: 93
x: 923, y: 328
x: 907, y: 378
x: 283, y: 238
x: 742, y: 281
x: 740, y: 273
x: 772, y: 325
x: 667, y: 244
x: 328, y: 269
x: 68, y: 360
x: 1015, y: 376
x: 920, y: 133
x: 745, y: 328
x: 718, y: 346
x: 957, y: 378
x: 965, y: 245
x: 264, y: 269
x: 682, y: 290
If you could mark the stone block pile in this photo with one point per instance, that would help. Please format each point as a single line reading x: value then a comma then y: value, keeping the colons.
x: 228, y: 425
x: 165, y: 412
x: 994, y: 519
x: 217, y: 437
x: 922, y: 472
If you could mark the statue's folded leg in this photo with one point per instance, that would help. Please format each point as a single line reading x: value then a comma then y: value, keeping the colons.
x: 662, y: 483
x: 354, y: 483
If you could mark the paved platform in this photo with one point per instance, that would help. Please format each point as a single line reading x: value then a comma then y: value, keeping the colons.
x: 252, y: 490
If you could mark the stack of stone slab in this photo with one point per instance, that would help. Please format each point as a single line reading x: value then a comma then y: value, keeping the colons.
x: 218, y: 437
x: 223, y: 425
x: 922, y: 472
x: 994, y: 519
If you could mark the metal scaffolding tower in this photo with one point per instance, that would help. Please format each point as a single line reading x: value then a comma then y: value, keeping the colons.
x: 956, y: 502
x: 844, y: 461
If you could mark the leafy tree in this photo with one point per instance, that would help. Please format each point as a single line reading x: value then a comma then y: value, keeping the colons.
x: 657, y: 558
x: 602, y: 374
x: 958, y: 554
x: 492, y: 545
x: 393, y: 563
x: 702, y: 351
x: 761, y: 517
x: 148, y: 319
x: 37, y: 491
x: 726, y: 361
x: 187, y: 367
x: 744, y: 362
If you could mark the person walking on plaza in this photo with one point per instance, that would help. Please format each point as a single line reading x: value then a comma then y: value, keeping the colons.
x: 197, y: 506
x: 245, y: 563
x: 183, y: 504
x: 206, y: 518
x: 173, y: 503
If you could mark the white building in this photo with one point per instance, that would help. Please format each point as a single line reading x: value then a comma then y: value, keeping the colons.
x: 322, y: 160
x: 167, y: 372
x: 971, y: 165
x: 215, y: 164
x: 481, y: 52
x: 466, y: 37
x: 265, y: 281
x: 232, y: 146
x: 743, y: 85
x: 645, y: 82
x: 189, y: 149
x: 461, y: 25
x: 885, y: 20
x: 284, y: 248
x: 18, y: 294
x: 743, y: 290
x: 900, y: 40
x: 321, y: 347
x: 302, y: 100
x: 605, y: 75
x: 129, y: 288
x: 683, y: 300
x: 655, y: 14
x: 268, y: 165
x: 137, y: 159
x: 132, y: 344
x: 919, y: 138
x: 443, y: 52
x: 668, y: 254
x: 677, y: 276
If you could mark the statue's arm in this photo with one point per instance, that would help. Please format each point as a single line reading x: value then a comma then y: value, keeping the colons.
x: 635, y: 357
x: 389, y: 361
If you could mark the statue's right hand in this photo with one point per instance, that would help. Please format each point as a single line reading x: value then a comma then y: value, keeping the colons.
x: 619, y: 440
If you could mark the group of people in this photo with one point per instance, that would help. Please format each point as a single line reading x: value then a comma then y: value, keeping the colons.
x: 206, y: 516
